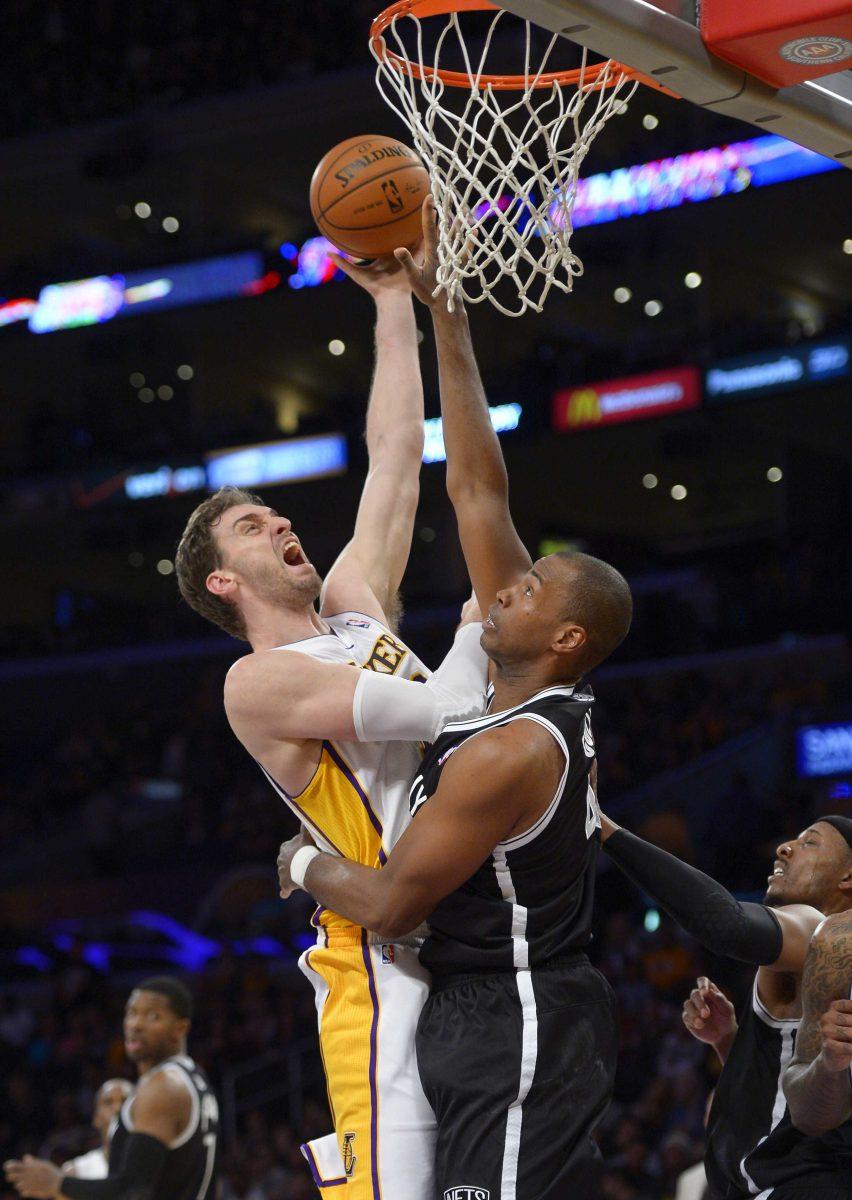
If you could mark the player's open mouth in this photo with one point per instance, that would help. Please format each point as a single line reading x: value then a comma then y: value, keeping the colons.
x: 778, y: 871
x: 489, y: 623
x: 291, y: 552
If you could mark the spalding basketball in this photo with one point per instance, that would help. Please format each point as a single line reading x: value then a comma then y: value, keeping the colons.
x: 366, y: 195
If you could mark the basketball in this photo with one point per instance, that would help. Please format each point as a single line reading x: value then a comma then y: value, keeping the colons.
x: 366, y: 195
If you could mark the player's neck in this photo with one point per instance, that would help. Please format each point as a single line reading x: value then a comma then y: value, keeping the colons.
x: 516, y: 683
x: 269, y: 626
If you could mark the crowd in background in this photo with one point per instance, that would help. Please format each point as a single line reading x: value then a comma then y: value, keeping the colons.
x: 63, y: 1038
x: 101, y: 60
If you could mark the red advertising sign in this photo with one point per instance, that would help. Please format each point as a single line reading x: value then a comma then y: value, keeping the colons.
x: 631, y: 399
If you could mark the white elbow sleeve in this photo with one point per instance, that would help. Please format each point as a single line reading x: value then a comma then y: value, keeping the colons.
x: 386, y: 709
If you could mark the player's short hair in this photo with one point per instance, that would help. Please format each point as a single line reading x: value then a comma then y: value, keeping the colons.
x: 599, y: 600
x: 197, y: 555
x: 178, y: 994
x: 125, y: 1086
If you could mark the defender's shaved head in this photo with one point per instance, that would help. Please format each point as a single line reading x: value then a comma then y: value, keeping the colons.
x: 597, y: 597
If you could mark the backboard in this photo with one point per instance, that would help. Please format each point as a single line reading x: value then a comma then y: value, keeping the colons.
x: 661, y: 39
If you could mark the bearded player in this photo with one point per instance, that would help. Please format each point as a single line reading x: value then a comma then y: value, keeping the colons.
x: 753, y: 1148
x: 328, y: 704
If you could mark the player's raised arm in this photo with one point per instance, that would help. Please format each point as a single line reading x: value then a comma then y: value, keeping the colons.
x: 817, y: 1082
x: 476, y: 474
x: 368, y: 572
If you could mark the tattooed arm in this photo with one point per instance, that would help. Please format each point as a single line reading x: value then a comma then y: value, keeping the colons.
x: 817, y: 1082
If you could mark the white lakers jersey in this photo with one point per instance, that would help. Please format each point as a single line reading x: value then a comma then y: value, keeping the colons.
x: 356, y: 804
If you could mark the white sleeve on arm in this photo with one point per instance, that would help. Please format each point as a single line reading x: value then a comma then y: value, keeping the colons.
x: 386, y: 709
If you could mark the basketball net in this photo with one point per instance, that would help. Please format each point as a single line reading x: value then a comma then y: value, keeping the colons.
x: 503, y: 182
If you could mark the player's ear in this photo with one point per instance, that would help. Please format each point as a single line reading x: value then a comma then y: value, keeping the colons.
x: 569, y: 638
x: 221, y: 583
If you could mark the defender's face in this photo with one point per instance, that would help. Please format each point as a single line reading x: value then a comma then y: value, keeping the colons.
x: 808, y: 869
x: 261, y: 549
x: 526, y: 618
x: 152, y: 1030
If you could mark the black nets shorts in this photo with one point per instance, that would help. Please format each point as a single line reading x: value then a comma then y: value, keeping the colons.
x: 519, y: 1068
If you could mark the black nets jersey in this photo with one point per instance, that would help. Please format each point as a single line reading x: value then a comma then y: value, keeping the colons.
x: 189, y: 1172
x: 532, y: 899
x: 752, y: 1145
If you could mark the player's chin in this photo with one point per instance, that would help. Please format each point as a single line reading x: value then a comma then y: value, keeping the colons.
x: 775, y: 895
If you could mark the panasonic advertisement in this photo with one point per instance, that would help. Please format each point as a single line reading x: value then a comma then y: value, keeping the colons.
x: 779, y: 370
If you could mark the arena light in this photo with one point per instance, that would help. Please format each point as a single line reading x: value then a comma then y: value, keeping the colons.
x: 103, y: 297
x: 616, y: 400
x: 278, y: 462
x: 779, y: 370
x: 824, y: 749
x: 692, y: 178
x: 504, y: 418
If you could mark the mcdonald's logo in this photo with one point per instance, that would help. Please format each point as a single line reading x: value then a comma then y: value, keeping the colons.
x: 583, y: 407
x: 617, y: 400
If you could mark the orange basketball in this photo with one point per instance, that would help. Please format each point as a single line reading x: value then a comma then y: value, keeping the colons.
x: 366, y: 195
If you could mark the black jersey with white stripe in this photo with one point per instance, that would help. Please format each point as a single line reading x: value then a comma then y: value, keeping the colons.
x: 531, y: 901
x: 752, y: 1145
x: 189, y: 1172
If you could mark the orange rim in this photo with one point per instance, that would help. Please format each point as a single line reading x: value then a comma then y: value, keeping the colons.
x: 460, y: 79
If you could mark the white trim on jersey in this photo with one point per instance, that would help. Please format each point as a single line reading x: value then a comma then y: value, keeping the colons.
x: 529, y: 1034
x: 489, y: 718
x: 529, y: 835
x: 787, y: 1027
x: 766, y: 1016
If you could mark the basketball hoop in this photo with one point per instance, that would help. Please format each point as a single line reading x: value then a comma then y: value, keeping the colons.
x: 504, y: 188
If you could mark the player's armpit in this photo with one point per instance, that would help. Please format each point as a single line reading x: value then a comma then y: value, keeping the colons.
x: 798, y: 924
x: 497, y: 781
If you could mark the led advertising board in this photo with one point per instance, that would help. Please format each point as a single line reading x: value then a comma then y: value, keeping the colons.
x: 824, y: 749
x: 779, y: 370
x: 632, y: 399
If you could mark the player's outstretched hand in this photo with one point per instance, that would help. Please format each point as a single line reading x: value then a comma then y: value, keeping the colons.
x: 285, y: 857
x: 835, y: 1028
x: 34, y: 1177
x: 708, y: 1014
x: 380, y: 277
x: 422, y: 276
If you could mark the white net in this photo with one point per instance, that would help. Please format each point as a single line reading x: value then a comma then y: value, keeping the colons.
x: 504, y: 182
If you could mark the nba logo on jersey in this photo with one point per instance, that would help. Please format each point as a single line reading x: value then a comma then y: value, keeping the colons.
x: 349, y: 1159
x: 358, y: 624
x: 387, y: 955
x: 467, y: 1193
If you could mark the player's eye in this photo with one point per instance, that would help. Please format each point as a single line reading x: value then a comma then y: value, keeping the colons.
x: 528, y: 590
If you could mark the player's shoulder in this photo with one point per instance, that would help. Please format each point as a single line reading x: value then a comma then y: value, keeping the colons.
x: 166, y: 1088
x: 509, y: 750
x: 834, y: 931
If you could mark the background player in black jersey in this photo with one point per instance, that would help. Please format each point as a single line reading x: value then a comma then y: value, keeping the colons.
x: 165, y: 1141
x: 516, y: 1044
x: 108, y: 1100
x: 818, y: 1083
x: 752, y: 1146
